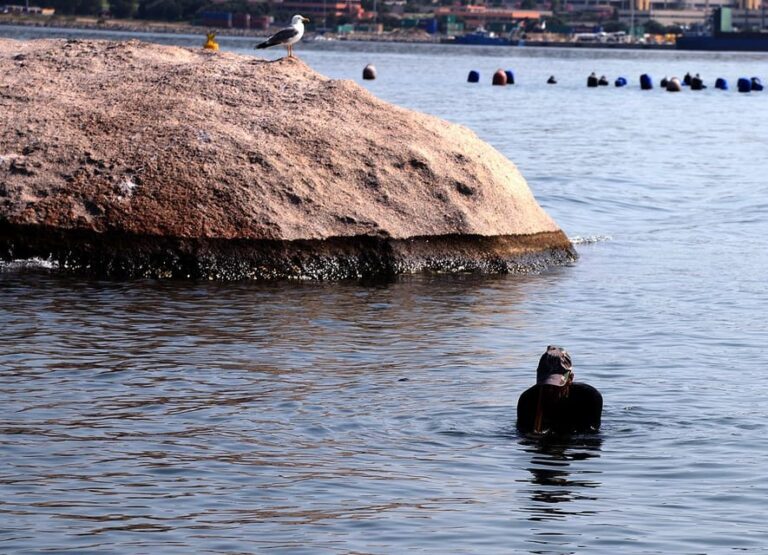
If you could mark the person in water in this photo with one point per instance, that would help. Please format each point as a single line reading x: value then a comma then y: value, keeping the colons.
x: 556, y: 404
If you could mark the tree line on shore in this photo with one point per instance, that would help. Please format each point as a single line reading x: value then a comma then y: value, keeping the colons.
x: 167, y: 10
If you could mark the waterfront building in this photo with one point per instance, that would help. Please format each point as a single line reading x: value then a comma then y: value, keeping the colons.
x: 319, y: 11
x: 481, y: 16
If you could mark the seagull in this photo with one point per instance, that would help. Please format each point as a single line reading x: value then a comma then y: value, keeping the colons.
x: 288, y: 36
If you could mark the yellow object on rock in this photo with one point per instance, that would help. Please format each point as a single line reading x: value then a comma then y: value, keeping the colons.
x: 210, y: 42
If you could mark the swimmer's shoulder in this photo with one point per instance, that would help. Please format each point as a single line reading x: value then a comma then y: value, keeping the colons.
x: 585, y: 390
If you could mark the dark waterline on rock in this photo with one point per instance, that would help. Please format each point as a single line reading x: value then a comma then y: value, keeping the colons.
x: 122, y: 256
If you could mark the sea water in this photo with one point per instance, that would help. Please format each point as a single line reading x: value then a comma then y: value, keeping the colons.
x: 176, y: 417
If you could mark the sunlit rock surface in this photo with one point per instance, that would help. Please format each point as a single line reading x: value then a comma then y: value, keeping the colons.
x: 128, y: 159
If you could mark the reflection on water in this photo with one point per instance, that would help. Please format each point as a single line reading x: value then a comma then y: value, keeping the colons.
x: 551, y: 474
x: 152, y: 407
x: 326, y: 418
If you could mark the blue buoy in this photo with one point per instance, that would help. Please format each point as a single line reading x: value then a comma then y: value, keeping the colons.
x: 620, y: 82
x: 744, y: 85
x: 757, y: 85
x: 646, y: 83
x: 510, y: 77
x: 721, y: 84
x: 473, y: 77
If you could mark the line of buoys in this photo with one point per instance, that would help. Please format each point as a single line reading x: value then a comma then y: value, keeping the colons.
x: 369, y: 72
x: 499, y: 78
x: 745, y: 85
x: 696, y: 83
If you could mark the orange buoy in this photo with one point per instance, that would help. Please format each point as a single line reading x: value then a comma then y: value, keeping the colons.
x: 369, y: 72
x: 500, y: 77
x: 673, y: 85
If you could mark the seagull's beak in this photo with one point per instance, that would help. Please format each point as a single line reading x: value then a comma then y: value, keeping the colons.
x: 305, y: 19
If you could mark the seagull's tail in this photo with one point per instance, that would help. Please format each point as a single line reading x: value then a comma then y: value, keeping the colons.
x: 265, y: 44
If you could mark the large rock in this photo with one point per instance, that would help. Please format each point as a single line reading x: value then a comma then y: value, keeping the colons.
x: 134, y: 159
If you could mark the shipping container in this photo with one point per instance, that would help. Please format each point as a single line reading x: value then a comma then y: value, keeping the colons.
x: 454, y: 28
x: 241, y: 20
x: 216, y: 19
x: 429, y: 25
x: 262, y: 22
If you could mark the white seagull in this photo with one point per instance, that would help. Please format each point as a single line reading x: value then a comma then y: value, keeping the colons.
x: 288, y: 36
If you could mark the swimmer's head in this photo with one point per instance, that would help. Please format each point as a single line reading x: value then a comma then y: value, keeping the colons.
x: 554, y: 367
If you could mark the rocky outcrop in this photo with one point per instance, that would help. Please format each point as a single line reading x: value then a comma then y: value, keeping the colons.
x: 134, y: 159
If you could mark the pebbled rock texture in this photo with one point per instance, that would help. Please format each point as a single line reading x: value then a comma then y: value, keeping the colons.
x: 130, y: 159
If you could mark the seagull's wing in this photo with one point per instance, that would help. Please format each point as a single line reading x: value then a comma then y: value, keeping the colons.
x: 281, y: 37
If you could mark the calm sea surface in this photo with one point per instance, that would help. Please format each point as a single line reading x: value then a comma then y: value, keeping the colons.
x: 166, y: 417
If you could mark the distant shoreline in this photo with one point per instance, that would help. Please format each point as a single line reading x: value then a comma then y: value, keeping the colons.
x: 120, y: 26
x: 138, y: 26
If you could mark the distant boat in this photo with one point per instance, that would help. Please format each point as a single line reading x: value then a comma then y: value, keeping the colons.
x: 723, y: 37
x: 731, y: 42
x: 483, y: 37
